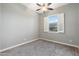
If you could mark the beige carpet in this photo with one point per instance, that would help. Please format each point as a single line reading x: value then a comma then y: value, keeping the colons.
x: 42, y: 48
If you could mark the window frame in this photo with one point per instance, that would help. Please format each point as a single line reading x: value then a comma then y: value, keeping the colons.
x: 61, y: 17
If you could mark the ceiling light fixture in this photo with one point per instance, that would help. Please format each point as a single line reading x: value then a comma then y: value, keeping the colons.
x: 44, y: 7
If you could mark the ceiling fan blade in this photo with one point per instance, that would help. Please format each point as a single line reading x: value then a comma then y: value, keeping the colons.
x: 38, y: 4
x: 37, y: 9
x: 50, y: 8
x: 49, y: 4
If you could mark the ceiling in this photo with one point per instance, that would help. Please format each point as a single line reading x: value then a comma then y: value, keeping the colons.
x: 33, y: 6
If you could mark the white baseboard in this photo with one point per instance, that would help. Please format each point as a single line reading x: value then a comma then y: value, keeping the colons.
x: 3, y: 50
x: 60, y: 43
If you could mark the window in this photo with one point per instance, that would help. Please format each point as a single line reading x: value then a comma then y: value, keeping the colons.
x: 54, y: 23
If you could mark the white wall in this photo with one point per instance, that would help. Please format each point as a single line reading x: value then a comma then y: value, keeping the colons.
x: 18, y: 22
x: 71, y: 35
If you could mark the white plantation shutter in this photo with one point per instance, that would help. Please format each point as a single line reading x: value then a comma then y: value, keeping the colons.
x: 61, y: 22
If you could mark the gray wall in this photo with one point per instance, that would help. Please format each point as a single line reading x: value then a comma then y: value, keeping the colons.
x: 0, y: 26
x: 18, y: 22
x: 71, y: 35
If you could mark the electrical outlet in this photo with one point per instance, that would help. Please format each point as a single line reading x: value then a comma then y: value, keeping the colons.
x: 24, y: 39
x: 70, y: 41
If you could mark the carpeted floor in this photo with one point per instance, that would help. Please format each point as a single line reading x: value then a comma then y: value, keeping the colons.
x: 42, y: 48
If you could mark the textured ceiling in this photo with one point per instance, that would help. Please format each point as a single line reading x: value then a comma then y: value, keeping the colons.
x: 33, y: 6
